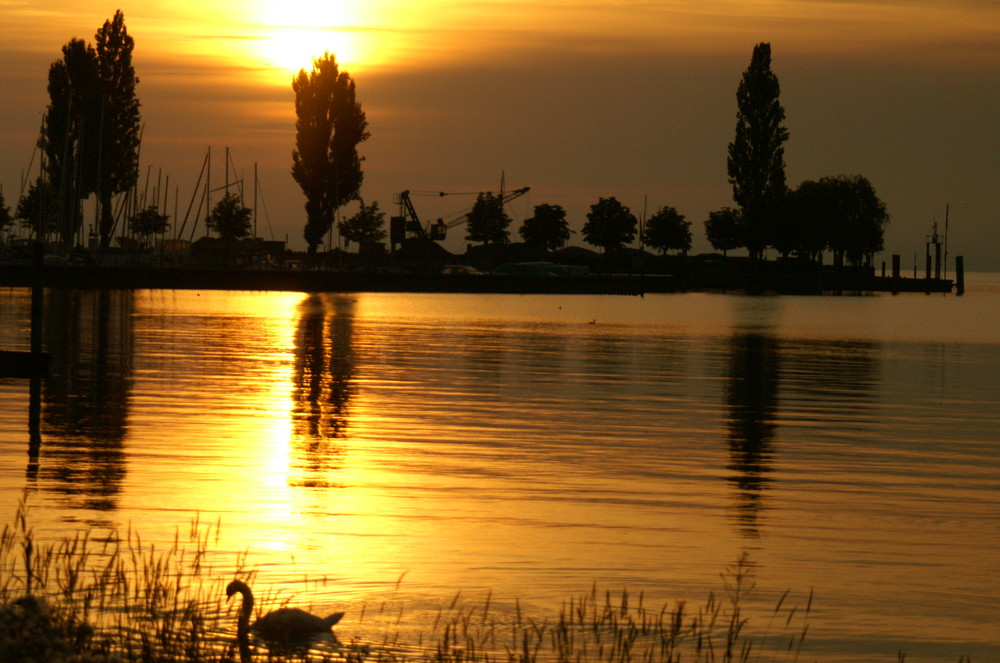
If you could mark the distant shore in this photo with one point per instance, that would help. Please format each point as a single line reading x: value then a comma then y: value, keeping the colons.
x: 158, y: 278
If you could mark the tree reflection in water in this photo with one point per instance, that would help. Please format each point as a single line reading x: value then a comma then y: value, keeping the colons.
x: 86, y: 397
x: 752, y: 396
x: 819, y: 382
x: 324, y: 375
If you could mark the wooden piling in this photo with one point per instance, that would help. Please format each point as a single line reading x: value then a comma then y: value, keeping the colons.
x: 895, y: 273
x: 37, y: 297
x: 34, y: 421
x: 39, y: 361
x: 959, y: 275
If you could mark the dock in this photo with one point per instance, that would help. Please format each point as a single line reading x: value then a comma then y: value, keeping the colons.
x: 157, y: 278
x: 15, y: 364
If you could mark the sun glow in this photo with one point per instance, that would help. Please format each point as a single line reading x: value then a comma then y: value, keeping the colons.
x: 292, y: 33
x: 292, y: 49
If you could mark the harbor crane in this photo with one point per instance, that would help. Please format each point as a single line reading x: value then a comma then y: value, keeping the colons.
x: 408, y: 223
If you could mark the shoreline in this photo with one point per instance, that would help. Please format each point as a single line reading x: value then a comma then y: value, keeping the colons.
x: 160, y: 278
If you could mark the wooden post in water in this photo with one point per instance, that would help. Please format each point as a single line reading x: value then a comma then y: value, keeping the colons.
x: 959, y: 275
x: 895, y: 273
x: 34, y: 423
x: 37, y: 298
x: 927, y: 275
x: 36, y: 360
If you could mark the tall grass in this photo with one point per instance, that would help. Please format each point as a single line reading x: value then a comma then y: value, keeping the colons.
x: 119, y: 598
x: 116, y: 598
x: 601, y: 627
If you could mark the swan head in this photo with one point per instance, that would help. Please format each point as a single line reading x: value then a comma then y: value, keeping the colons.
x: 236, y: 586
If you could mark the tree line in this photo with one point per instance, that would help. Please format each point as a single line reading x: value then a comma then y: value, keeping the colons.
x: 841, y: 214
x: 89, y: 138
x: 92, y: 130
x: 90, y: 144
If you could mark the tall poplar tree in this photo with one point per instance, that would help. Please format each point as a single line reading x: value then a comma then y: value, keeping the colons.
x: 120, y: 127
x: 70, y: 133
x: 329, y: 127
x: 92, y: 125
x: 756, y: 160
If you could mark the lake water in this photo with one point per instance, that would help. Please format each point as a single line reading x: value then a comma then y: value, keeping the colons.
x: 406, y: 447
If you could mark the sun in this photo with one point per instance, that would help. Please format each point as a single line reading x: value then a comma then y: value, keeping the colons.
x: 294, y: 32
x: 293, y: 48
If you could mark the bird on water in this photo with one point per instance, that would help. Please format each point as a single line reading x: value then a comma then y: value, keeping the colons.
x: 285, y: 626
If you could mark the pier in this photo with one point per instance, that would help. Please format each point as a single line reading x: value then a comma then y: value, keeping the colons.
x: 691, y: 280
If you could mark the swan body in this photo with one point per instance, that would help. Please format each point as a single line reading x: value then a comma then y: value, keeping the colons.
x: 286, y: 626
x: 292, y: 624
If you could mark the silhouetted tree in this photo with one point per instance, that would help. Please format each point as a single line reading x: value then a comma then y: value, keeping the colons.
x: 92, y: 126
x: 842, y: 214
x: 724, y: 230
x: 329, y: 128
x: 120, y: 120
x: 547, y: 227
x: 5, y: 216
x: 756, y: 162
x: 366, y: 227
x: 610, y: 225
x: 37, y: 210
x: 785, y: 229
x: 857, y: 225
x: 667, y: 230
x: 488, y: 221
x: 148, y: 222
x: 808, y: 214
x: 230, y: 218
x: 70, y: 133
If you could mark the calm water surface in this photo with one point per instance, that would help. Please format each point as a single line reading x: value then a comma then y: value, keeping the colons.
x: 535, y: 445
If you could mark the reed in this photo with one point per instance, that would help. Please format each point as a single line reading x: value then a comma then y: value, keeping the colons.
x: 113, y: 599
x: 120, y: 599
x: 601, y: 627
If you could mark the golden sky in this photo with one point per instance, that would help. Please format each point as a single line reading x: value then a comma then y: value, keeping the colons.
x: 576, y: 98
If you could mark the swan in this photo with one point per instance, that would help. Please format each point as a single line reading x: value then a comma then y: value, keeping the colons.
x: 285, y: 626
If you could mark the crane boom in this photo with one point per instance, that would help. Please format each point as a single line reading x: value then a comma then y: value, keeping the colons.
x: 408, y: 222
x: 504, y: 199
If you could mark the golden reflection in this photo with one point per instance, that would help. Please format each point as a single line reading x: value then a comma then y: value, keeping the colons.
x: 217, y: 365
x: 323, y: 386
